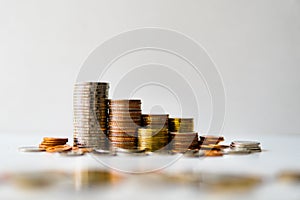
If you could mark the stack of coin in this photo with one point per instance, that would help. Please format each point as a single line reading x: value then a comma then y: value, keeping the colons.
x: 50, y: 142
x: 181, y: 125
x: 181, y: 142
x: 244, y: 146
x: 90, y: 114
x: 154, y: 134
x: 55, y: 144
x: 182, y: 134
x: 211, y: 143
x: 124, y: 119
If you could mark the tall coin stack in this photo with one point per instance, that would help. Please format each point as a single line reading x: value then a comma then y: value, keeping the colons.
x: 90, y: 114
x: 154, y: 135
x: 182, y: 134
x: 124, y: 119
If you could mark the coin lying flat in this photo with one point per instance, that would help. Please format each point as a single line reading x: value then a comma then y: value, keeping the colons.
x: 72, y: 153
x: 59, y: 148
x: 31, y: 149
x: 234, y: 151
x: 55, y: 139
x: 244, y: 147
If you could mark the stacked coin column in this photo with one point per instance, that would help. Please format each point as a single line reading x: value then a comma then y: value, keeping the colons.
x: 154, y: 134
x: 124, y: 119
x: 182, y: 134
x: 90, y: 114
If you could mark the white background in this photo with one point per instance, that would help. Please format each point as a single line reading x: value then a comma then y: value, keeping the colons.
x: 255, y: 45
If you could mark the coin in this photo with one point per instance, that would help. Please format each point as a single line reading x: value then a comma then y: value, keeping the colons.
x: 90, y: 113
x: 104, y: 152
x: 55, y: 139
x: 181, y: 124
x: 184, y: 141
x: 251, y: 146
x: 72, y: 153
x: 58, y: 148
x: 31, y: 149
x: 246, y: 143
x: 124, y: 101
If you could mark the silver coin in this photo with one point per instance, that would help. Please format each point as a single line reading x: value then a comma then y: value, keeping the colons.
x: 245, y: 143
x: 243, y: 146
x: 90, y: 140
x: 121, y: 150
x: 91, y: 145
x: 89, y: 95
x: 90, y: 91
x: 81, y: 102
x: 246, y: 148
x: 91, y: 86
x: 90, y: 98
x: 72, y: 153
x: 104, y: 152
x: 103, y: 87
x: 31, y: 149
x: 89, y: 135
x: 236, y: 151
x: 90, y: 112
x: 88, y: 102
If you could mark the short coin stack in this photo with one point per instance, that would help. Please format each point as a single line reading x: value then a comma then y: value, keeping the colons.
x: 245, y: 146
x: 90, y: 114
x: 182, y: 142
x: 124, y: 119
x: 182, y: 133
x: 154, y: 135
x: 55, y: 144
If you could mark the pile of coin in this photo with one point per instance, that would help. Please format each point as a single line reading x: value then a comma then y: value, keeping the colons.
x: 245, y: 146
x: 154, y: 134
x: 124, y: 119
x: 90, y: 114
